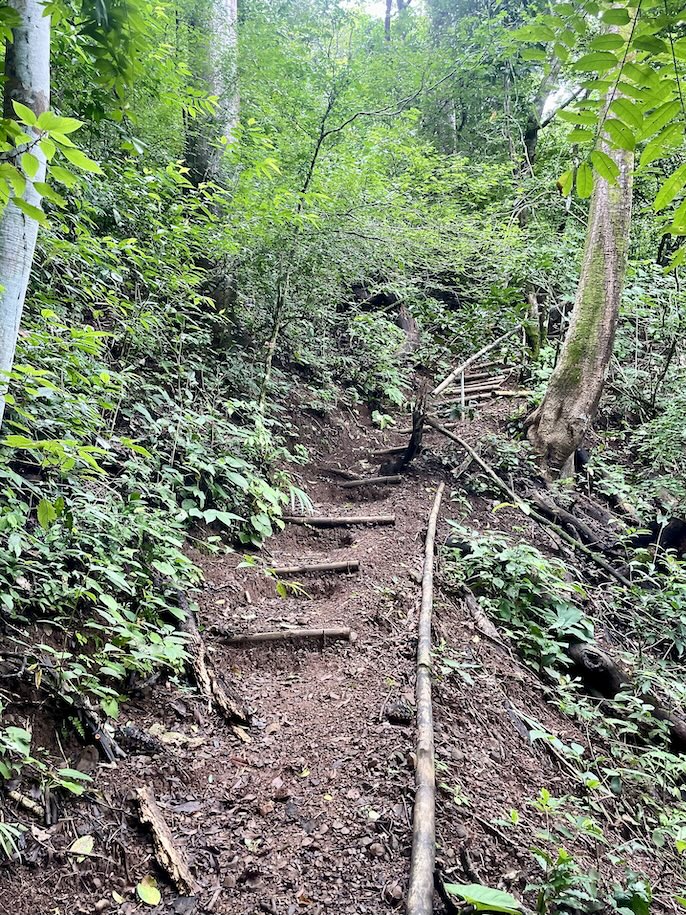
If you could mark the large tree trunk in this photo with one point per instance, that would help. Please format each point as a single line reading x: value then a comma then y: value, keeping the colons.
x: 27, y: 80
x: 206, y: 135
x: 557, y: 427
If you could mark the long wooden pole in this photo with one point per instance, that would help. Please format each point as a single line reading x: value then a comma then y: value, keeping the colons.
x: 280, y: 635
x: 472, y: 359
x: 421, y: 888
x: 348, y: 565
x: 341, y: 521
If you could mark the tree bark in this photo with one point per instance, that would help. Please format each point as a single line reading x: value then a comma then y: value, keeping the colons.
x: 27, y: 80
x: 557, y: 427
x: 206, y: 138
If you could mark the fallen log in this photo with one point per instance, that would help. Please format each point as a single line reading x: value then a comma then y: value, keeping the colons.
x: 210, y: 683
x: 343, y: 474
x: 526, y: 509
x: 556, y: 513
x: 169, y: 856
x: 472, y: 359
x: 342, y: 633
x: 348, y: 565
x: 422, y: 864
x: 345, y: 521
x: 390, y: 452
x: 369, y: 481
x: 605, y: 676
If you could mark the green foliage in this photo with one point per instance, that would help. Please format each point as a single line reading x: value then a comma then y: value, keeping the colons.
x: 529, y: 594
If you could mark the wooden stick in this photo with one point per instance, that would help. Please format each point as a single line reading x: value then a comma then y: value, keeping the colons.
x: 421, y: 887
x: 390, y: 452
x: 348, y: 565
x: 346, y: 521
x: 28, y: 803
x: 169, y: 856
x: 472, y: 359
x: 481, y: 386
x: 279, y: 635
x: 526, y: 509
x: 395, y: 478
x: 339, y: 472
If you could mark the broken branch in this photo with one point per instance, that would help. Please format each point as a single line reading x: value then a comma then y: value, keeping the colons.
x: 169, y: 856
x: 280, y: 635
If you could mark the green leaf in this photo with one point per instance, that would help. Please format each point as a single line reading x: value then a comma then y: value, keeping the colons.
x: 63, y: 175
x: 662, y: 144
x: 25, y: 115
x: 81, y: 160
x: 46, y: 514
x: 30, y: 164
x: 566, y: 182
x: 618, y: 15
x: 604, y: 165
x: 660, y: 118
x: 606, y: 42
x: 579, y: 135
x: 148, y: 892
x: 14, y: 176
x: 30, y: 210
x: 483, y: 898
x: 600, y: 61
x: 584, y: 180
x: 50, y: 121
x: 534, y: 54
x: 650, y: 44
x: 588, y: 118
x: 672, y: 186
x: 628, y: 112
x: 619, y: 134
x: 535, y: 33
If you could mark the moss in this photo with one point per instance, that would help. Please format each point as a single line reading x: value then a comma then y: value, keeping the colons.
x: 581, y: 343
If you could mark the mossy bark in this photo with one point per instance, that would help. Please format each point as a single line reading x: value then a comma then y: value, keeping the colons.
x: 557, y: 427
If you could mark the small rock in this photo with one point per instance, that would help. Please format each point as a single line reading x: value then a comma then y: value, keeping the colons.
x: 102, y: 905
x: 376, y: 850
x: 393, y: 893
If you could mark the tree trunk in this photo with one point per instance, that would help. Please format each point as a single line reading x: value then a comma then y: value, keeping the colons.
x: 557, y: 427
x: 27, y: 80
x: 207, y: 135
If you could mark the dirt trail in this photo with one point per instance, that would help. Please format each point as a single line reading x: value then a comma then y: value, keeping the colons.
x: 309, y: 808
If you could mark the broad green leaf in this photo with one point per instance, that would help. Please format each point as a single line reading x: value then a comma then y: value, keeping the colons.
x: 81, y: 160
x: 579, y: 135
x: 650, y: 44
x: 30, y: 164
x: 48, y: 148
x: 587, y: 118
x: 628, y: 112
x: 600, y: 61
x: 30, y: 210
x: 671, y: 187
x: 604, y: 165
x: 49, y: 193
x: 584, y: 180
x: 148, y: 892
x: 566, y: 182
x: 660, y: 118
x: 606, y: 42
x: 63, y: 175
x: 662, y: 144
x: 14, y: 176
x: 51, y: 121
x: 534, y: 54
x: 25, y: 115
x: 619, y: 134
x: 618, y: 15
x: 483, y: 898
x: 46, y: 514
x: 535, y: 33
x: 640, y: 75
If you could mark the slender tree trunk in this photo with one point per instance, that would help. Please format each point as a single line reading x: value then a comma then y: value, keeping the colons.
x: 557, y: 427
x: 205, y: 141
x: 27, y: 80
x: 387, y: 20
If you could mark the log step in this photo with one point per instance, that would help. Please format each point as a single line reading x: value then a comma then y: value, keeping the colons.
x: 347, y: 521
x: 348, y: 565
x: 368, y: 481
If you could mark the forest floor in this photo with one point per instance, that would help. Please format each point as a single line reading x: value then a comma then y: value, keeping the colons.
x: 308, y: 809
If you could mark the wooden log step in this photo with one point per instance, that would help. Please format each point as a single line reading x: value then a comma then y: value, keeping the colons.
x: 347, y: 521
x: 348, y: 565
x: 368, y: 481
x: 343, y: 633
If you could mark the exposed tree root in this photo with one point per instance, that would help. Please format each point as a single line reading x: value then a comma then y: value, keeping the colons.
x: 515, y: 499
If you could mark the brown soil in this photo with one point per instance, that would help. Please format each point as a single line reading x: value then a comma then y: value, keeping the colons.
x: 309, y: 808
